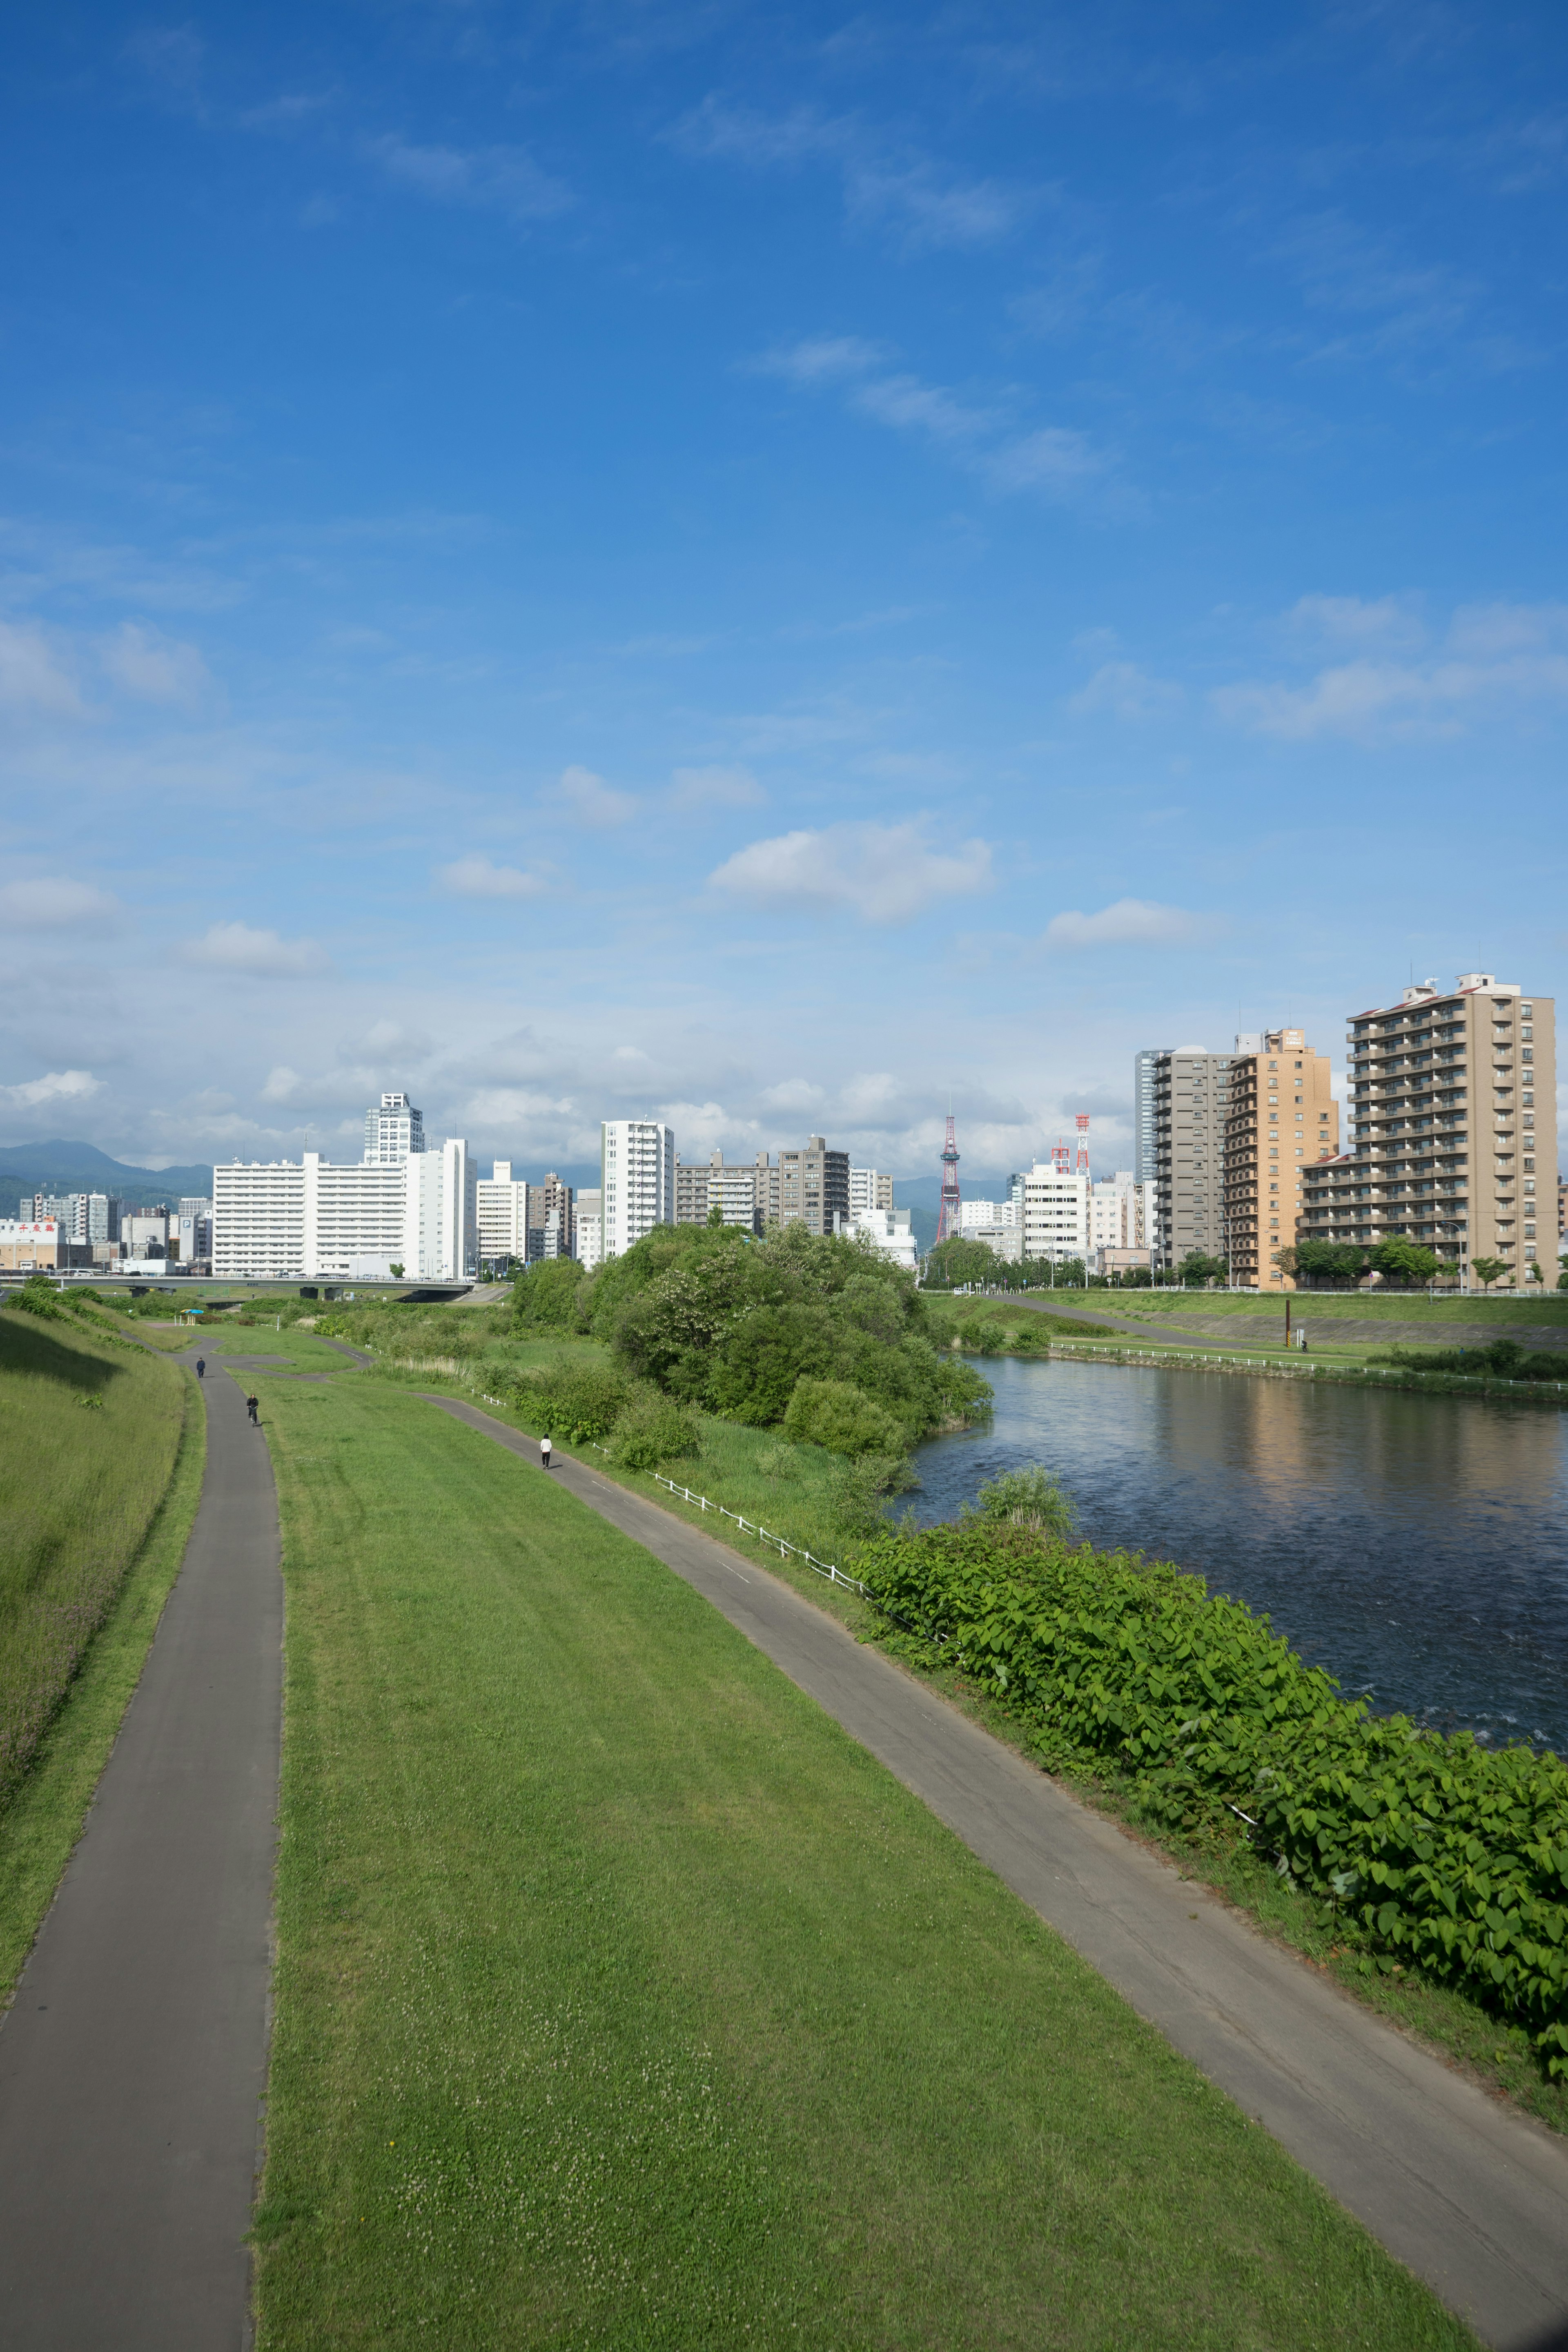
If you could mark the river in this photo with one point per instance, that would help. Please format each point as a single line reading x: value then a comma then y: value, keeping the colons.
x: 1414, y: 1546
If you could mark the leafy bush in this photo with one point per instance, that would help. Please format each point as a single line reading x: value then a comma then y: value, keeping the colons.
x: 1024, y: 1498
x: 545, y: 1298
x: 581, y: 1403
x: 39, y: 1296
x: 1431, y: 1851
x: 1505, y: 1360
x: 842, y: 1420
x: 652, y: 1431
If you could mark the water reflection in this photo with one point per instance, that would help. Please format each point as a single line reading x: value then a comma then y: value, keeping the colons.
x: 1417, y: 1547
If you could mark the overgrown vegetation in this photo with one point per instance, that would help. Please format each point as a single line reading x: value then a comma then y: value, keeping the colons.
x: 1504, y: 1360
x: 78, y: 1491
x: 1430, y: 1851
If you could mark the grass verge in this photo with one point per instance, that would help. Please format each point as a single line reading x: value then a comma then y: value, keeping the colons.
x: 622, y: 1999
x: 41, y: 1824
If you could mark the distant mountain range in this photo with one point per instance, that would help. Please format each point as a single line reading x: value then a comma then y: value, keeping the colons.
x: 27, y: 1167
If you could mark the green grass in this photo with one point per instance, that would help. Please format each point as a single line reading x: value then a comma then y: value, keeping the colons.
x: 43, y: 1821
x: 88, y: 1431
x: 622, y: 1999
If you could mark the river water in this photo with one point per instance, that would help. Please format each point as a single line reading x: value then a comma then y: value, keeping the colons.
x: 1414, y: 1546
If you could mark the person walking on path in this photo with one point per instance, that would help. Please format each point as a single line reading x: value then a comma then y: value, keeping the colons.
x: 201, y: 1367
x: 253, y: 1407
x: 544, y: 1454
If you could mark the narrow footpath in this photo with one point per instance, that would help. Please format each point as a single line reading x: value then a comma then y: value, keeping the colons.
x: 132, y: 2065
x: 1471, y: 2196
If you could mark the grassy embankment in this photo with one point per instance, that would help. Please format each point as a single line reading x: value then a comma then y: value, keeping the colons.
x: 622, y: 1999
x: 101, y: 1453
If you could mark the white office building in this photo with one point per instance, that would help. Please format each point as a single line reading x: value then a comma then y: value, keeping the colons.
x: 636, y: 1181
x: 348, y: 1221
x: 888, y: 1231
x: 870, y: 1189
x: 393, y: 1129
x: 972, y: 1214
x: 502, y: 1209
x: 590, y: 1230
x: 1056, y: 1213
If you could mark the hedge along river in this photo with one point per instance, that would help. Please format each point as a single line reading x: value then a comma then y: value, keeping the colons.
x: 1416, y: 1546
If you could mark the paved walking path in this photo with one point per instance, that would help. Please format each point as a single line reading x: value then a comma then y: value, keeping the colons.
x: 1471, y: 2196
x: 134, y: 2063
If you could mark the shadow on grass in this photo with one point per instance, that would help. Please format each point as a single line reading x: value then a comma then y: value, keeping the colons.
x: 27, y: 1344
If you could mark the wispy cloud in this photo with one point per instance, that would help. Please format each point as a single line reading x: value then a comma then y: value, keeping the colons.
x: 476, y: 877
x: 261, y: 954
x: 52, y: 902
x: 886, y: 185
x: 881, y: 873
x: 1120, y: 690
x: 987, y: 438
x: 155, y: 669
x: 1492, y: 657
x: 714, y: 788
x: 1129, y: 922
x: 32, y: 673
x: 504, y: 179
x: 589, y: 801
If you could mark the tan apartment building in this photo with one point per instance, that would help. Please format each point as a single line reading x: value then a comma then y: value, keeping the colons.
x: 746, y: 1192
x: 1282, y: 1120
x: 1453, y: 1140
x: 814, y: 1187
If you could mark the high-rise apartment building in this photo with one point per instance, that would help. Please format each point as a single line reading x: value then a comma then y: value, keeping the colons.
x: 1453, y: 1140
x: 1192, y: 1104
x: 356, y: 1218
x: 590, y: 1223
x: 551, y: 1229
x: 636, y: 1180
x: 500, y: 1207
x: 393, y: 1129
x: 814, y: 1187
x: 1282, y: 1120
x: 744, y: 1192
x: 870, y: 1189
x: 1056, y: 1213
x: 1145, y: 1120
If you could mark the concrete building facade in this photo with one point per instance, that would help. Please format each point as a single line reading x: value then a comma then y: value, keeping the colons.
x: 744, y: 1192
x: 888, y: 1231
x: 590, y: 1223
x: 393, y: 1129
x: 1192, y: 1104
x: 1453, y: 1141
x: 1056, y: 1213
x: 636, y: 1181
x: 1282, y: 1120
x: 870, y: 1189
x: 349, y: 1220
x: 1145, y: 1113
x: 34, y: 1244
x: 814, y: 1187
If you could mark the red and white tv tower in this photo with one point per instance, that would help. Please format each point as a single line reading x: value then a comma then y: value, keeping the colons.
x: 1061, y: 1156
x: 948, y: 1224
x: 1080, y: 1165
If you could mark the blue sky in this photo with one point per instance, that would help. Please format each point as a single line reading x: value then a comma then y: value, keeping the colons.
x: 772, y: 567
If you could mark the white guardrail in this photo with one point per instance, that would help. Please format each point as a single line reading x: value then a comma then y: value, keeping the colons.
x: 705, y: 1503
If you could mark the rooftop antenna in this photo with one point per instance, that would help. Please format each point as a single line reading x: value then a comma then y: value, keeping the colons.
x: 949, y: 1223
x: 1080, y: 1165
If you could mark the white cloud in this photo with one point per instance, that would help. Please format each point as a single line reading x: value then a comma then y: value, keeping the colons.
x: 493, y: 178
x: 986, y: 439
x: 1385, y: 623
x: 31, y: 676
x: 1122, y: 690
x: 282, y: 1084
x: 51, y: 902
x: 702, y: 788
x: 593, y: 803
x: 1492, y: 657
x: 58, y: 1085
x: 1129, y: 922
x: 882, y: 873
x: 153, y: 668
x: 476, y: 877
x: 933, y: 211
x: 792, y: 1094
x: 236, y: 947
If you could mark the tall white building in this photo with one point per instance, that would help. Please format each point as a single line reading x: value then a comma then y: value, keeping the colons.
x: 987, y: 1213
x: 502, y: 1209
x: 1056, y: 1213
x: 636, y: 1180
x: 393, y: 1129
x: 352, y: 1220
x: 870, y: 1189
x: 888, y: 1230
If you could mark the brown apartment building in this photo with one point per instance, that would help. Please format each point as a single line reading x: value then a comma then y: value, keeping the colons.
x: 1282, y: 1120
x: 1446, y: 1089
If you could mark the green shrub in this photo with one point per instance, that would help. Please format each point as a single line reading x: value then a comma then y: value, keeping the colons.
x: 1024, y: 1498
x: 653, y: 1431
x: 1431, y: 1851
x: 1505, y: 1360
x: 545, y: 1298
x: 581, y: 1403
x: 842, y: 1420
x: 39, y: 1296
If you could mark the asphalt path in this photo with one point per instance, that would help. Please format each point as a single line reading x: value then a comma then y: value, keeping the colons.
x: 1470, y: 2195
x: 132, y: 2065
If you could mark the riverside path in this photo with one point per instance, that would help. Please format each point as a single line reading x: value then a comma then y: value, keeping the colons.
x: 1471, y: 2196
x: 133, y: 2065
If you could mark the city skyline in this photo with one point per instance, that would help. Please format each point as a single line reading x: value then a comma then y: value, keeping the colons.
x: 755, y: 577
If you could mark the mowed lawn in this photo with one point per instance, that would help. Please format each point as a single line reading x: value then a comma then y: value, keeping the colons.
x: 622, y: 1999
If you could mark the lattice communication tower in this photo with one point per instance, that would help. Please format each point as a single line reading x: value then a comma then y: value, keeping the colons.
x: 1061, y: 1156
x: 949, y: 1224
x: 1080, y: 1165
